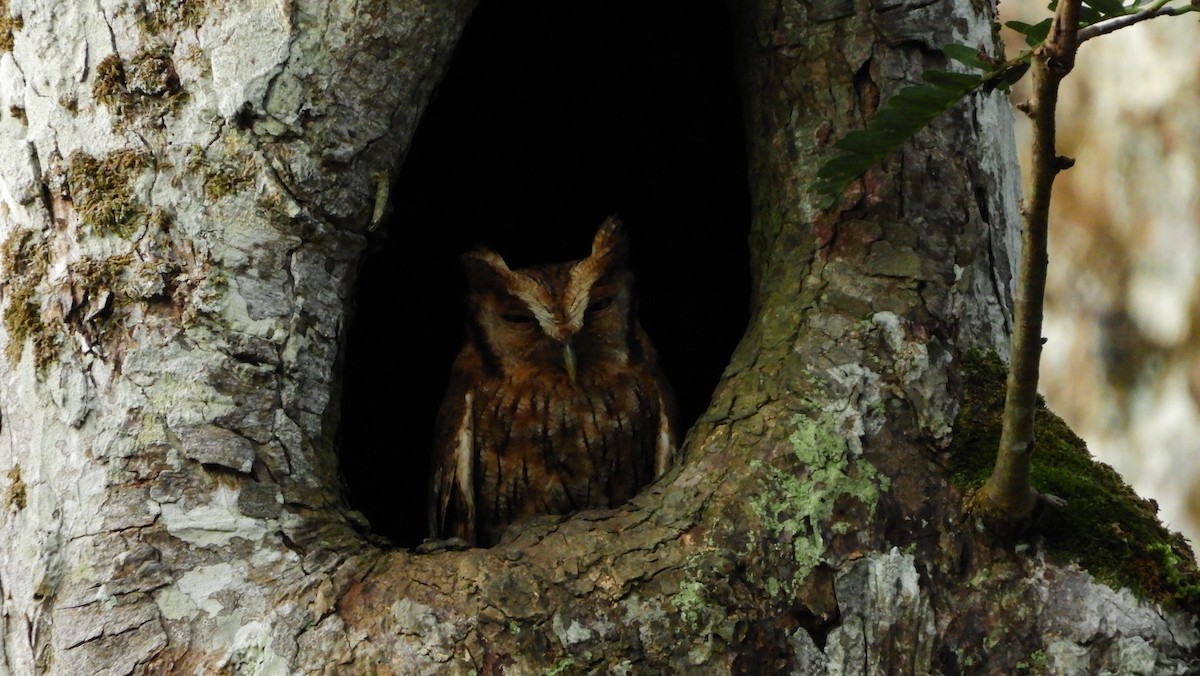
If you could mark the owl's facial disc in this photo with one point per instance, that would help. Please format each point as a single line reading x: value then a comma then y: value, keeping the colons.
x: 537, y: 322
x: 563, y: 334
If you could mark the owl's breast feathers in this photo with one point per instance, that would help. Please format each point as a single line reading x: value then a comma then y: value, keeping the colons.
x: 516, y: 445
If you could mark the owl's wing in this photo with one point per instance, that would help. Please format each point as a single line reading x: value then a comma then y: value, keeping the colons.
x: 666, y: 442
x: 452, y: 481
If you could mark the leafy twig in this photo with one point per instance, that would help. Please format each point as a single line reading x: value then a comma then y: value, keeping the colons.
x: 1117, y: 23
x: 1009, y: 491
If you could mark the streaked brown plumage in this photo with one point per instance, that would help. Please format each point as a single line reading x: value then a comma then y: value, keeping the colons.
x: 556, y: 402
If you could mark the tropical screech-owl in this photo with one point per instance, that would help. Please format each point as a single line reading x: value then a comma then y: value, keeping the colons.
x: 556, y: 402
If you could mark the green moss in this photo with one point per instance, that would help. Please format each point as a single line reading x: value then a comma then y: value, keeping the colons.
x: 233, y: 172
x: 160, y: 219
x: 15, y: 496
x: 102, y: 190
x: 9, y: 25
x: 109, y: 85
x: 146, y: 88
x: 1034, y: 663
x: 172, y: 15
x: 1105, y: 527
x: 230, y: 180
x: 20, y: 257
x: 25, y: 262
x: 152, y: 73
x: 94, y: 284
x: 197, y: 160
x: 97, y: 276
x: 23, y: 321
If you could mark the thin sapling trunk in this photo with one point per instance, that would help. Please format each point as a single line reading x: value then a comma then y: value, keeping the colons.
x: 1009, y: 495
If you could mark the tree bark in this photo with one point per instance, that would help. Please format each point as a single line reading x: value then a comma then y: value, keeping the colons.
x: 186, y: 195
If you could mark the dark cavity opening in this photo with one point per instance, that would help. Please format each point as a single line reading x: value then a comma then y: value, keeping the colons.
x: 551, y: 116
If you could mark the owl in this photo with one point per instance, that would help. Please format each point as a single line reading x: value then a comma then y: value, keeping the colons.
x: 556, y: 402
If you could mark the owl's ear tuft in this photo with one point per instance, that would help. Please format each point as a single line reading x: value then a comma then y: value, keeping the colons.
x: 610, y: 244
x: 485, y: 269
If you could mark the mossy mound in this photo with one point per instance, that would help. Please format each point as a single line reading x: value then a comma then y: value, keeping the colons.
x: 1105, y: 527
x: 103, y: 190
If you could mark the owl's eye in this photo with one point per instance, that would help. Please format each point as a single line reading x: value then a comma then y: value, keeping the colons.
x: 518, y: 318
x: 599, y: 304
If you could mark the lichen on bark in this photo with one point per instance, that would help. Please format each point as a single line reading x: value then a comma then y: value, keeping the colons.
x: 798, y: 502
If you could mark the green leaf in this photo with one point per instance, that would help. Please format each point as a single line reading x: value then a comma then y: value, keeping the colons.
x: 840, y: 168
x: 1006, y: 77
x: 929, y: 97
x: 967, y: 56
x: 856, y: 142
x: 1089, y: 16
x: 1034, y: 33
x: 900, y: 122
x: 953, y: 81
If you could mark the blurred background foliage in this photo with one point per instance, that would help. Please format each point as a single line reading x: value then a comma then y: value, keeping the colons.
x: 1122, y: 361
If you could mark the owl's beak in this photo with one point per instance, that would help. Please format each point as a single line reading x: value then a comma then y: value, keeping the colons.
x: 569, y: 360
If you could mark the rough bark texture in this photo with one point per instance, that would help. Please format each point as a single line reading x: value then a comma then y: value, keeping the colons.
x: 185, y: 190
x: 169, y: 396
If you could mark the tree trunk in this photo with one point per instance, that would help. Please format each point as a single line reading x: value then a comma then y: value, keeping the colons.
x: 186, y: 195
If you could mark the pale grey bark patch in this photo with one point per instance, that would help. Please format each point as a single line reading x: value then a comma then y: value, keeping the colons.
x: 74, y: 395
x: 212, y: 445
x: 246, y: 52
x: 888, y: 622
x: 1092, y: 628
